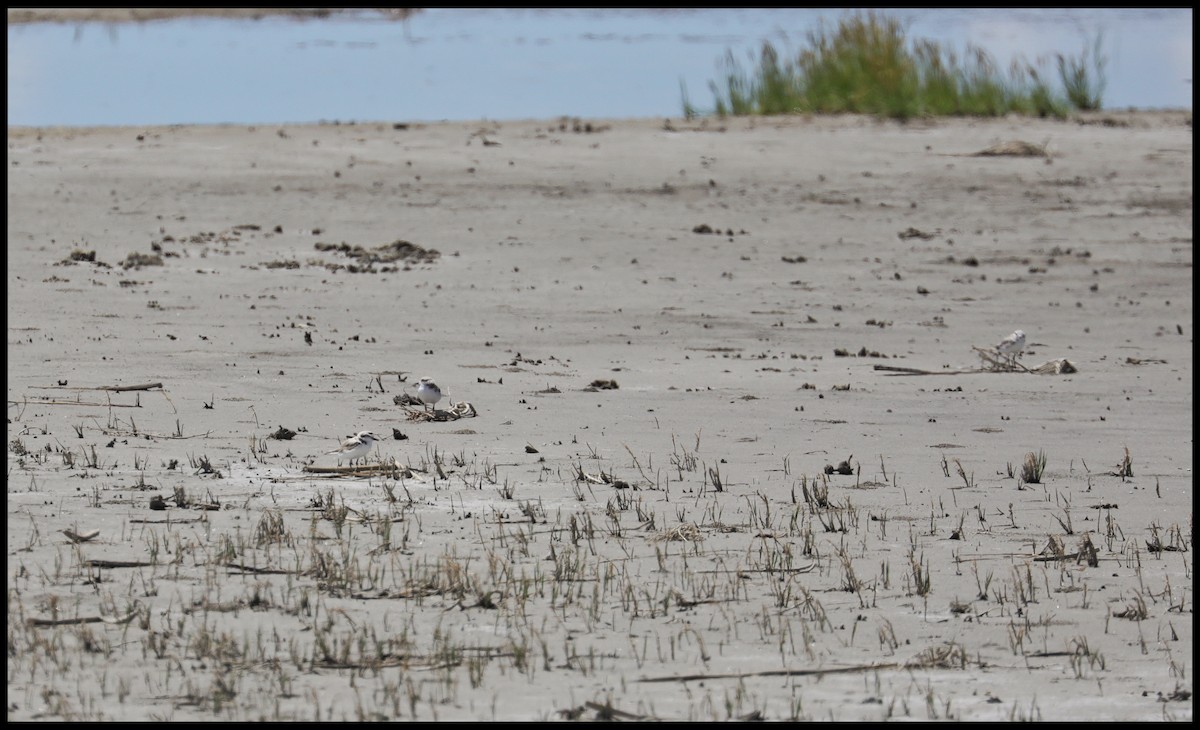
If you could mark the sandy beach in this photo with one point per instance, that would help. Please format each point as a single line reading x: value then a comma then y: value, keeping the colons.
x: 658, y: 340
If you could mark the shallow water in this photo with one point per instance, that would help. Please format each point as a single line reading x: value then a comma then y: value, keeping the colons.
x: 466, y: 64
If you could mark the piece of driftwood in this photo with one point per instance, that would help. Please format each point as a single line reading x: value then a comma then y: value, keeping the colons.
x: 739, y: 571
x: 83, y: 620
x: 257, y: 570
x: 107, y: 388
x: 118, y: 564
x: 76, y: 403
x: 113, y: 388
x: 363, y: 470
x: 897, y: 370
x: 123, y: 388
x: 775, y: 673
x: 1060, y: 366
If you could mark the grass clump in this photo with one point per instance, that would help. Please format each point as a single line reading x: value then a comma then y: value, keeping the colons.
x: 867, y: 65
x: 1034, y: 466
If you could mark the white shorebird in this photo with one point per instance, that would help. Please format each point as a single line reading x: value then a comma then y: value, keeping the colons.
x: 428, y: 392
x: 1012, y: 345
x: 356, y: 447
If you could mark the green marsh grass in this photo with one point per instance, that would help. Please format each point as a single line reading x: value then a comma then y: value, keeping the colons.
x: 867, y: 65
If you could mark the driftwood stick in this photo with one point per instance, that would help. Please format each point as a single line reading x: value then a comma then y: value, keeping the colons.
x: 1050, y: 558
x: 897, y: 370
x: 260, y: 571
x: 64, y: 621
x: 118, y: 564
x: 123, y: 388
x: 75, y: 403
x: 901, y: 371
x: 994, y: 556
x: 148, y: 435
x: 775, y: 673
x: 83, y: 620
x: 730, y: 571
x: 368, y: 470
x: 114, y: 388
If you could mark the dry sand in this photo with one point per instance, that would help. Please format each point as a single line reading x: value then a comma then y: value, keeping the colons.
x: 661, y: 549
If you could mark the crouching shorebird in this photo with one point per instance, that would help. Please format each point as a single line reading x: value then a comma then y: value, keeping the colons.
x: 356, y: 447
x: 1012, y: 345
x: 428, y: 393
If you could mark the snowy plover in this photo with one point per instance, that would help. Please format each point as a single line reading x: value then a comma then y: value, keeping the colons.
x: 1012, y: 345
x: 355, y: 447
x: 428, y: 392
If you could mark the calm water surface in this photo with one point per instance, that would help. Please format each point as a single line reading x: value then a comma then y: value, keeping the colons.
x: 465, y: 64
